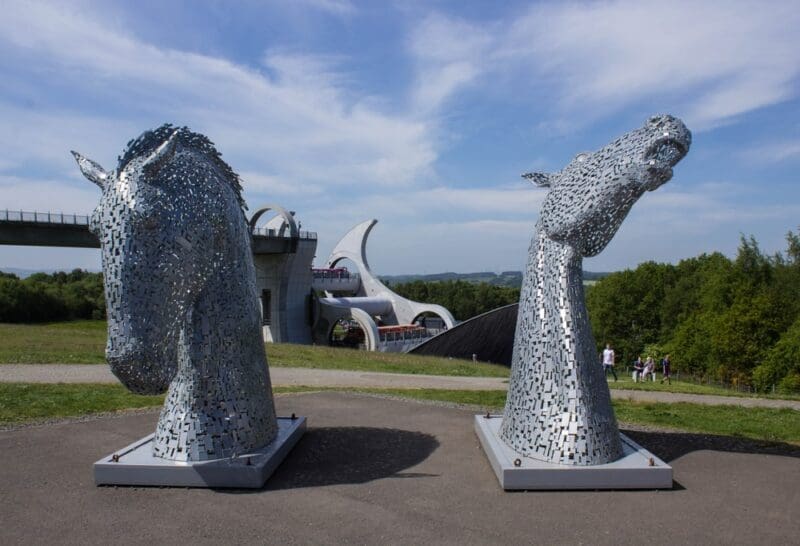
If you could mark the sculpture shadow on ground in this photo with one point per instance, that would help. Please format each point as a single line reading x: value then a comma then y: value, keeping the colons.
x: 351, y: 455
x: 673, y: 445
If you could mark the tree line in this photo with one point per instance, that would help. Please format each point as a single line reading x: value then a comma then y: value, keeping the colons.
x: 733, y: 320
x: 46, y: 297
x: 463, y: 299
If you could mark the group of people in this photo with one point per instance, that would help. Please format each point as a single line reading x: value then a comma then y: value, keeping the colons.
x: 641, y: 370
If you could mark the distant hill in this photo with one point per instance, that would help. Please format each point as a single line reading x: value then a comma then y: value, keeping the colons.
x: 25, y: 273
x: 506, y: 278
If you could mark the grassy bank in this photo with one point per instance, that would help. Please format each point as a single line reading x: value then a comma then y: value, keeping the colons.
x: 757, y: 423
x: 625, y: 382
x: 83, y: 342
x: 73, y: 342
x: 23, y: 402
x: 329, y: 358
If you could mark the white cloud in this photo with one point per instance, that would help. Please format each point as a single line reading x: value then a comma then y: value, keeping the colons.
x: 775, y: 152
x: 299, y: 122
x: 256, y: 183
x: 708, y: 61
x: 336, y: 7
x: 443, y: 204
x: 43, y: 195
x: 449, y: 55
x: 680, y: 221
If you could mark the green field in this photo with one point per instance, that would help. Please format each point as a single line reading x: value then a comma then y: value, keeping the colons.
x: 330, y: 358
x: 83, y: 342
x: 74, y: 342
x: 24, y: 402
x: 626, y: 382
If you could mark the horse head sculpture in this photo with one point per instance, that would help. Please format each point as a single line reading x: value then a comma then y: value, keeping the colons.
x: 180, y: 292
x: 558, y: 407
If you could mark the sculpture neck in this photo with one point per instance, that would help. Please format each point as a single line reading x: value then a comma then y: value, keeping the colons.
x: 222, y: 390
x: 558, y: 270
x: 558, y: 407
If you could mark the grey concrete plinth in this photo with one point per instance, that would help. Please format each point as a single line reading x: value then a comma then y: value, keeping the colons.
x: 136, y: 465
x: 637, y: 469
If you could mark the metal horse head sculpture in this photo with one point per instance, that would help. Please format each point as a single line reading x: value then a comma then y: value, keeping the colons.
x: 180, y: 291
x: 558, y: 407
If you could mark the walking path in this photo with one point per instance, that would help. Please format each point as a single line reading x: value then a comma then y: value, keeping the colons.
x: 309, y: 377
x: 375, y: 471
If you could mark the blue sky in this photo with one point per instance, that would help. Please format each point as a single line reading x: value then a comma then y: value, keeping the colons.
x: 420, y: 114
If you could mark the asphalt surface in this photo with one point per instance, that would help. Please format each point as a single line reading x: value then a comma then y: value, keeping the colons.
x: 372, y: 470
x: 285, y: 377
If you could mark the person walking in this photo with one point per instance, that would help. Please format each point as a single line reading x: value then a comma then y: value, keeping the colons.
x: 608, y: 361
x: 666, y: 370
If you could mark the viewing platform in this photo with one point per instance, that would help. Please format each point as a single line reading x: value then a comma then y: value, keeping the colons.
x: 335, y: 280
x: 72, y: 230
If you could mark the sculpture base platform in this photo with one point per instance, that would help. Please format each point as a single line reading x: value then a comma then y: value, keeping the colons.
x: 136, y: 465
x: 637, y: 469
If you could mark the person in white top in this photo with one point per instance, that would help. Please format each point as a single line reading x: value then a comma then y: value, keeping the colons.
x: 608, y: 361
x: 649, y: 369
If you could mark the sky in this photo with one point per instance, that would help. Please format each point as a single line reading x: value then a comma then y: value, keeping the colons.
x: 421, y: 114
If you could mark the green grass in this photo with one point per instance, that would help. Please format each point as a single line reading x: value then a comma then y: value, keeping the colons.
x: 21, y: 402
x: 626, y: 382
x: 24, y: 402
x: 330, y: 358
x: 74, y: 342
x: 768, y: 424
x: 83, y: 342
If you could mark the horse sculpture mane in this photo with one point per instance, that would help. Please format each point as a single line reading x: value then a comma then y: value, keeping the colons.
x: 558, y: 407
x: 146, y: 143
x: 180, y: 290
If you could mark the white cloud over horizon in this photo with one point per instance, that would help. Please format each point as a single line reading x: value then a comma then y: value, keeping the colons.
x: 305, y: 127
x: 713, y: 60
x: 297, y: 120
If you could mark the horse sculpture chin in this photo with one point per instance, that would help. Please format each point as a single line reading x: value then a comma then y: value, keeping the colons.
x: 558, y: 407
x: 181, y: 295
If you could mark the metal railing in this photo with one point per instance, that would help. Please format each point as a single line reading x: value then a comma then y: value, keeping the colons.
x: 408, y: 335
x: 264, y: 232
x: 83, y: 220
x: 330, y: 277
x: 43, y: 217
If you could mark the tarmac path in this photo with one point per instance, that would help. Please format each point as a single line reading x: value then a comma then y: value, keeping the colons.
x: 309, y: 377
x: 371, y: 470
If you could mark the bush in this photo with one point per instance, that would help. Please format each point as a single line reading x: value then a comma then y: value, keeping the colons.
x: 47, y: 298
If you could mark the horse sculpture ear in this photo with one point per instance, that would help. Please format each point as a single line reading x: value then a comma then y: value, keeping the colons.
x: 540, y: 179
x: 91, y: 170
x: 161, y: 155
